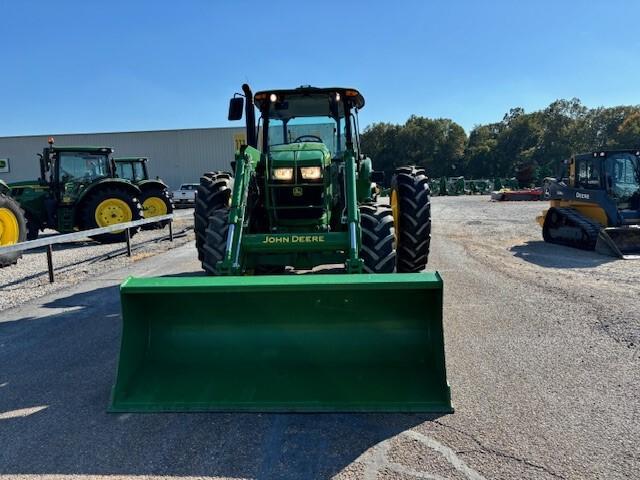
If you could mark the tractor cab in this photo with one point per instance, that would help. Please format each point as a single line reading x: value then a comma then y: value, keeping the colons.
x: 68, y: 171
x: 133, y: 169
x: 310, y: 115
x: 305, y: 135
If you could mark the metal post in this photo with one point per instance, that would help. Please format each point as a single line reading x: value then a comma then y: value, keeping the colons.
x: 50, y: 262
x: 171, y: 230
x: 128, y: 237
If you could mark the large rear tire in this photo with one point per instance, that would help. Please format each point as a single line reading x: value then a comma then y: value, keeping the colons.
x: 214, y: 192
x: 411, y: 206
x: 156, y: 201
x: 111, y: 206
x: 13, y: 228
x: 378, y: 250
x: 215, y: 243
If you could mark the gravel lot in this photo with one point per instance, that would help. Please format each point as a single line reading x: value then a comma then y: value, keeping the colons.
x: 75, y: 261
x: 542, y: 358
x: 505, y: 237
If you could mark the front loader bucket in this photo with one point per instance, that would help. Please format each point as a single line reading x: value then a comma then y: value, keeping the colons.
x: 622, y: 242
x: 319, y: 343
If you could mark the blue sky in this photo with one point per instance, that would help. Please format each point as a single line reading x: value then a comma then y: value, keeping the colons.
x: 84, y: 66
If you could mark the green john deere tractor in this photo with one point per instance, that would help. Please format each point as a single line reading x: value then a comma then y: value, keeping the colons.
x: 13, y: 225
x: 154, y: 194
x: 364, y: 336
x: 77, y: 190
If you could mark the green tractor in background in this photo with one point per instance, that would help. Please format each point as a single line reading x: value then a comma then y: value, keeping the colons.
x: 154, y: 194
x: 360, y: 337
x: 77, y: 190
x: 13, y: 225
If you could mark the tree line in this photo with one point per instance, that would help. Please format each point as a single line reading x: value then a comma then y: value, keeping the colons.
x: 528, y: 146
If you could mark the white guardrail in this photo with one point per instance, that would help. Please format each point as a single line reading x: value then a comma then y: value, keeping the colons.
x: 68, y: 237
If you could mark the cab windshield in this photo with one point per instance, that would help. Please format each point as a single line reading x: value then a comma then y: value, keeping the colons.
x: 306, y: 129
x: 311, y: 129
x: 133, y: 171
x: 82, y: 167
x: 624, y: 171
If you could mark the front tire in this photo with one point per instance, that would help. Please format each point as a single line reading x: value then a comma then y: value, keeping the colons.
x: 214, y: 192
x: 411, y: 205
x: 378, y: 250
x: 13, y: 228
x: 215, y: 244
x: 111, y: 206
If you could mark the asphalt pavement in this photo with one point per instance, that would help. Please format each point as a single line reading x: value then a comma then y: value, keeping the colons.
x: 541, y: 357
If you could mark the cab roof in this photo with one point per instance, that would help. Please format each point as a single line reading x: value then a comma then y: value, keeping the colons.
x: 85, y: 149
x: 305, y: 101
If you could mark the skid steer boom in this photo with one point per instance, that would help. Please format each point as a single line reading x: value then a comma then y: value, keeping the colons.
x: 312, y: 343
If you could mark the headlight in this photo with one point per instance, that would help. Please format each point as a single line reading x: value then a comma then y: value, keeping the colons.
x: 283, y: 174
x: 311, y: 173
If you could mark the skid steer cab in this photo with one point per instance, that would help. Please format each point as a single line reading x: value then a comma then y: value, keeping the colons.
x: 302, y: 196
x: 77, y: 190
x: 597, y: 206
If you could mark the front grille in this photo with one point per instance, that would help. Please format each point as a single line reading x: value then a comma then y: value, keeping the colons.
x: 307, y: 205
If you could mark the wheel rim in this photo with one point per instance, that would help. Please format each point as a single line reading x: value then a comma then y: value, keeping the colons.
x: 112, y: 211
x: 9, y: 228
x: 154, y: 206
x: 395, y: 210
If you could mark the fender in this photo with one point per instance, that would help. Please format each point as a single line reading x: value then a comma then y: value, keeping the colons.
x: 105, y: 183
x: 4, y: 188
x: 109, y: 182
x: 363, y: 183
x: 144, y: 185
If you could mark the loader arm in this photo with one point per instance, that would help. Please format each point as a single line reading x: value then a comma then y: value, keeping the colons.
x: 353, y: 263
x: 246, y: 163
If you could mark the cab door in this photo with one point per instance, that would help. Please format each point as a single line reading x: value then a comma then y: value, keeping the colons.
x: 623, y: 177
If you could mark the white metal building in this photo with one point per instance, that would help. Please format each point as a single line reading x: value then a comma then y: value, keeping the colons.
x: 176, y: 156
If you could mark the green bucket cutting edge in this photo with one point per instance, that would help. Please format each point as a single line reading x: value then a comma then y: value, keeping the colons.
x: 290, y: 343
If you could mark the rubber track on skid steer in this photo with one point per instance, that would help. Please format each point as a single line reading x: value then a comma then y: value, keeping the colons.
x: 574, y: 219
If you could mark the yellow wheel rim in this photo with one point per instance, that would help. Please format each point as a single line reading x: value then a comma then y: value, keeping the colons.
x: 112, y: 211
x: 395, y: 210
x: 9, y: 228
x: 154, y: 206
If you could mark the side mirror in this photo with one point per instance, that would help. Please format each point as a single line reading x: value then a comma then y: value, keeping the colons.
x: 236, y: 105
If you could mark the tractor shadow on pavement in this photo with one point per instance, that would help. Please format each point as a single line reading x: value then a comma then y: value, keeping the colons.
x: 549, y: 255
x: 55, y: 379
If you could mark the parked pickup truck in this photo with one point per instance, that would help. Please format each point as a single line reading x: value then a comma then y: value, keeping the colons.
x: 185, y: 195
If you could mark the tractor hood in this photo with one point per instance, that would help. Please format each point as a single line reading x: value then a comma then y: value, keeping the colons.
x: 303, y: 153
